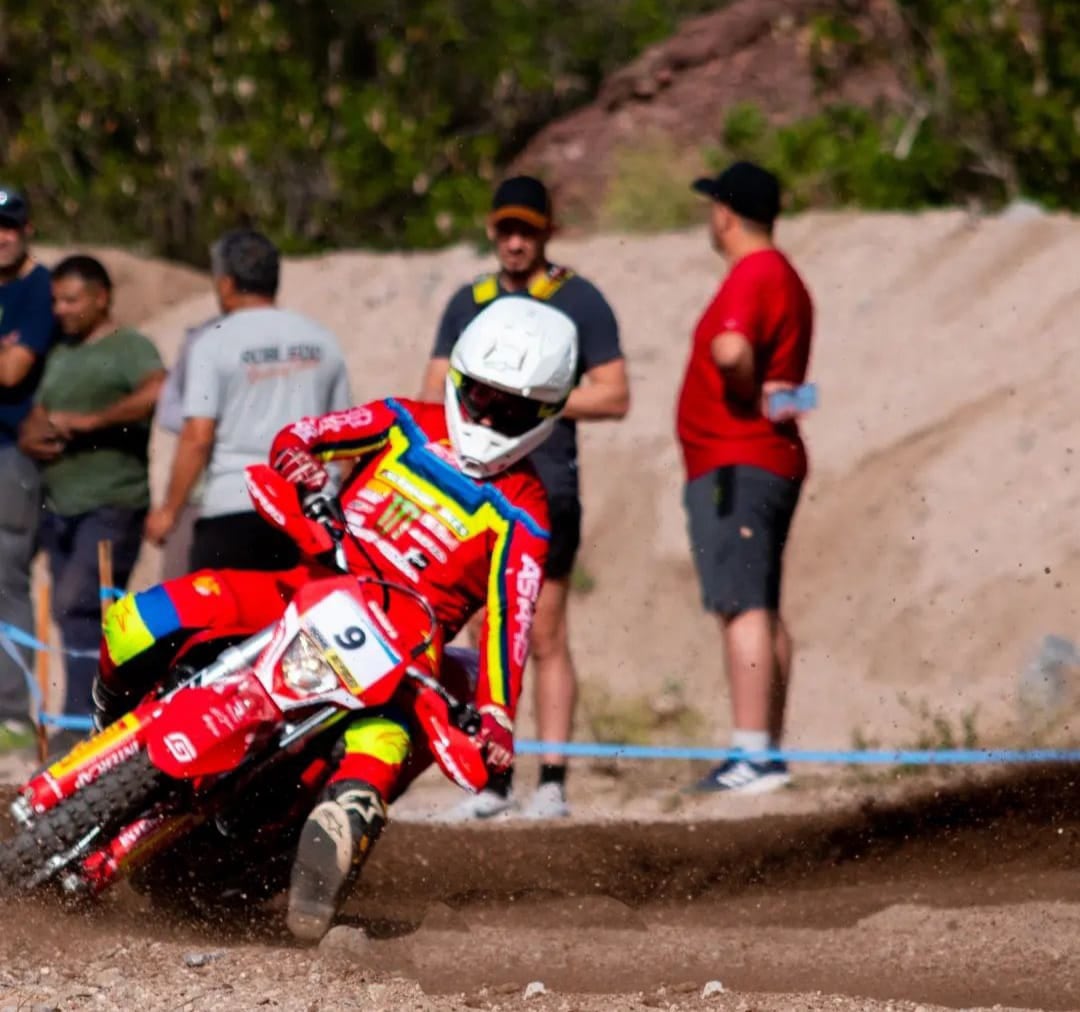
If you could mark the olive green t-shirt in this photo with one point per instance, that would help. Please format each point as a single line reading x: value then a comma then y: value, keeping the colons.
x: 107, y: 467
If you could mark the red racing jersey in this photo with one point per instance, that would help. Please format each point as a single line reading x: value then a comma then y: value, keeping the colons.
x: 463, y: 543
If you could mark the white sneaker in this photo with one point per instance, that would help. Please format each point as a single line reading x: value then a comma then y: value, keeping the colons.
x: 485, y: 805
x: 548, y: 802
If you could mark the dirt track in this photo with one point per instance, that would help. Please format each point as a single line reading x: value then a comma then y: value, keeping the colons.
x: 966, y: 897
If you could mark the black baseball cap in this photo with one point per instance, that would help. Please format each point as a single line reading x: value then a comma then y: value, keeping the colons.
x: 522, y: 198
x: 748, y: 189
x: 14, y: 207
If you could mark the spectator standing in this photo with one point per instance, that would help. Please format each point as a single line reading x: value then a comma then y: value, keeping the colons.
x: 26, y: 334
x: 170, y: 417
x: 90, y: 430
x: 170, y: 412
x: 520, y: 225
x: 745, y: 463
x: 249, y: 374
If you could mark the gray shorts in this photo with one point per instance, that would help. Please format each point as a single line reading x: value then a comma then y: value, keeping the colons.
x: 738, y: 519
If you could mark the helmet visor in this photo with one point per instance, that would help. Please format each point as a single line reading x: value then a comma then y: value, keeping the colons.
x: 507, y: 413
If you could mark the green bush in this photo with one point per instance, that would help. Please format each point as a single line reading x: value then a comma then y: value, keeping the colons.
x: 844, y: 156
x: 993, y: 112
x: 161, y: 122
x: 377, y: 124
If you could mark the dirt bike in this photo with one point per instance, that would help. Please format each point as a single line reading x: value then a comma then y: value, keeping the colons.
x: 202, y: 788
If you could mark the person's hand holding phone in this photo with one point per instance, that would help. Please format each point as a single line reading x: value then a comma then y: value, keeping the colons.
x: 782, y: 401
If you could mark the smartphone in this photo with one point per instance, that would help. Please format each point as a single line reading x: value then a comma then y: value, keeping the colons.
x: 801, y: 398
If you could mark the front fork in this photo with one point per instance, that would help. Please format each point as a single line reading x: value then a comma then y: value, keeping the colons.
x: 140, y: 840
x: 135, y: 843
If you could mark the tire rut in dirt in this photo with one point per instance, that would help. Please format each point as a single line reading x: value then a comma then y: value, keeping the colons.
x: 110, y: 801
x: 1028, y: 816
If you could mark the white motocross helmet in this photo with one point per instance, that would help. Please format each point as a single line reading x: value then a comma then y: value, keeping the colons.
x: 511, y: 371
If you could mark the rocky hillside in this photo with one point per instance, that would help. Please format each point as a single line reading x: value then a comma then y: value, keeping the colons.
x: 752, y: 51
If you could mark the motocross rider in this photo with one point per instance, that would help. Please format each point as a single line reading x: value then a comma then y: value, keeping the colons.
x: 442, y: 500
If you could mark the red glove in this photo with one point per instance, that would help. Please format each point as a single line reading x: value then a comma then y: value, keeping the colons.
x: 301, y: 468
x: 496, y: 738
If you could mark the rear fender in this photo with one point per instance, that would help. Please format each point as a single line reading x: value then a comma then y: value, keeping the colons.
x: 210, y: 729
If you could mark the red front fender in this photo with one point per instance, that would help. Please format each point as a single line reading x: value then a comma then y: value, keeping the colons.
x: 209, y: 730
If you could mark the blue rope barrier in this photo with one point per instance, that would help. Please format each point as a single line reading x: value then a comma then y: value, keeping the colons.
x: 898, y: 757
x: 11, y: 636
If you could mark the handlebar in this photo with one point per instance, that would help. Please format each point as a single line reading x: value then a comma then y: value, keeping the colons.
x: 325, y: 510
x: 465, y: 716
x: 321, y: 506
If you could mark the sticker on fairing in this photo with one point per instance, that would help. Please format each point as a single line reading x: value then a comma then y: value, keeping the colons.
x: 341, y: 625
x: 85, y: 751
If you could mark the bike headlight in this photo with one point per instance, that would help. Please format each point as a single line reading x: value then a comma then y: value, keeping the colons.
x: 305, y: 669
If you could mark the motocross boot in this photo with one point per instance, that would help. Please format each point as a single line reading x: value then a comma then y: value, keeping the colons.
x: 334, y: 843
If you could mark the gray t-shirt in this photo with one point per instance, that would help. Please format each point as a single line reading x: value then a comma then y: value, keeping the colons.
x: 254, y: 372
x: 170, y: 406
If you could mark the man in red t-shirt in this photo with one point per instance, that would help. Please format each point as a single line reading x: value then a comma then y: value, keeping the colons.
x: 745, y: 460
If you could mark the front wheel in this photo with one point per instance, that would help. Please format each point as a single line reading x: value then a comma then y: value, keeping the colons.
x: 116, y: 798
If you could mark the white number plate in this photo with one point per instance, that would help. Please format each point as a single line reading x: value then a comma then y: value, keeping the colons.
x: 341, y: 623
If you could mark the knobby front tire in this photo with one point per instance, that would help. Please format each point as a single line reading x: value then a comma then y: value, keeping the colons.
x: 110, y: 802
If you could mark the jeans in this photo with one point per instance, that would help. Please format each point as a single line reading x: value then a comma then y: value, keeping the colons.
x: 20, y: 514
x: 71, y: 544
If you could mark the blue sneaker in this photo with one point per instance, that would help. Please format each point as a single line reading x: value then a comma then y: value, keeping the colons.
x: 741, y: 776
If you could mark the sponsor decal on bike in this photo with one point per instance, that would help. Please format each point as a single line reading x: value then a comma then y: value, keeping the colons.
x: 90, y: 749
x: 342, y: 671
x: 132, y: 835
x: 179, y: 746
x: 222, y: 721
x: 111, y: 761
x: 380, y: 616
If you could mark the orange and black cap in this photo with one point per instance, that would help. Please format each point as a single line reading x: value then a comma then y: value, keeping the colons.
x: 522, y: 198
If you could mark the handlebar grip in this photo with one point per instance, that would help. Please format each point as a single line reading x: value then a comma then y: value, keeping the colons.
x: 319, y: 506
x: 467, y: 718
